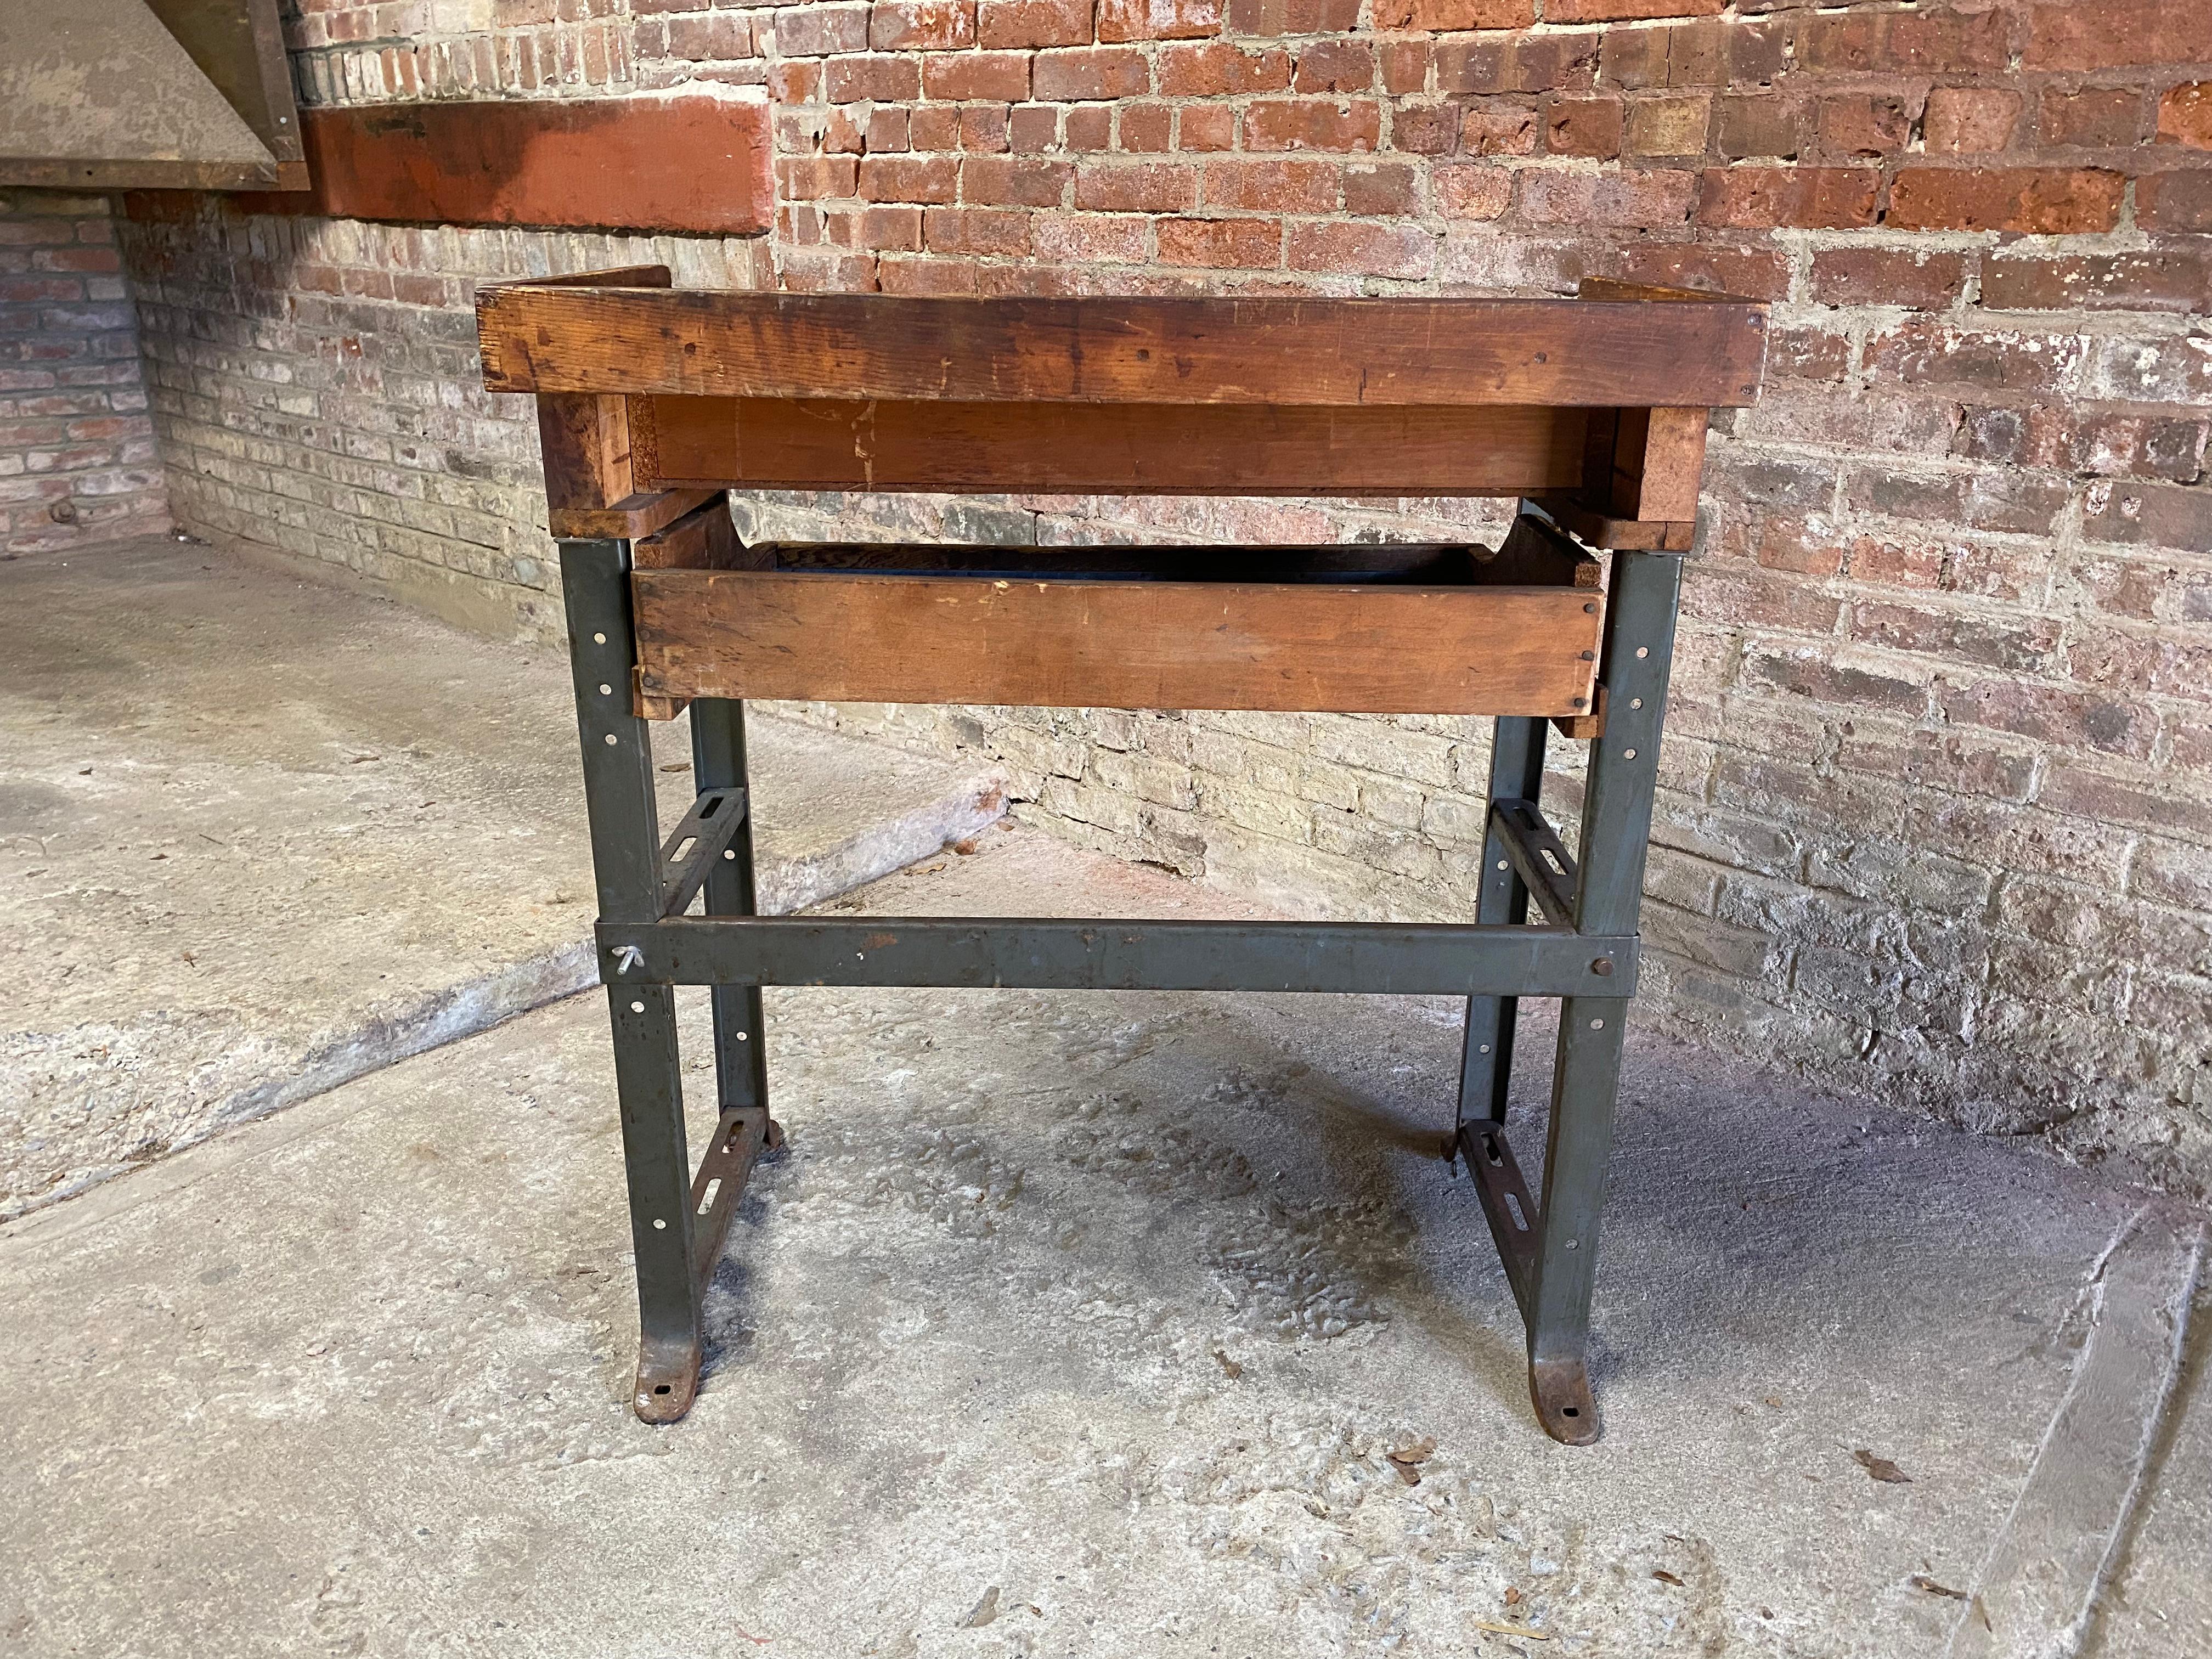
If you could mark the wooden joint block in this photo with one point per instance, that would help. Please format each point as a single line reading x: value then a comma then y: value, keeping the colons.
x: 650, y: 706
x: 1582, y: 729
x: 628, y: 519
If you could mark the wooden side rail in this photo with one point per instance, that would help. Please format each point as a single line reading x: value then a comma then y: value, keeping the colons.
x: 651, y: 398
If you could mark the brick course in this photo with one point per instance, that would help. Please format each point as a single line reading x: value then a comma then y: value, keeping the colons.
x: 76, y: 445
x: 1936, y: 814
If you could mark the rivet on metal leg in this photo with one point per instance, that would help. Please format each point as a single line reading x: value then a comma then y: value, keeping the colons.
x: 1564, y: 1406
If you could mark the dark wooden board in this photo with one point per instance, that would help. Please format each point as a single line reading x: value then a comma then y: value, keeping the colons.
x: 1579, y: 353
x: 1238, y: 449
x: 1129, y: 645
x: 696, y: 162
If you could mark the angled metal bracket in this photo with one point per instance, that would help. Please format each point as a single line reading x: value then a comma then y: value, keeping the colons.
x: 703, y: 836
x: 1539, y: 858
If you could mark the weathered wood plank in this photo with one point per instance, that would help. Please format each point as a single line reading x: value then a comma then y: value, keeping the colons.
x: 628, y: 518
x: 1578, y: 353
x: 704, y: 538
x: 697, y: 160
x: 1130, y: 644
x: 1595, y: 529
x: 1228, y: 449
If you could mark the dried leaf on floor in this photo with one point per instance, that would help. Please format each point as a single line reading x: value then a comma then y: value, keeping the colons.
x: 1882, y: 1469
x: 1921, y: 1581
x: 1229, y: 1368
x: 1529, y: 1631
x: 1665, y: 1577
x: 1408, y: 1460
x: 983, y: 1612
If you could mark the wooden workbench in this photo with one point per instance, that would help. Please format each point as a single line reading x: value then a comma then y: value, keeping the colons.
x: 1592, y: 411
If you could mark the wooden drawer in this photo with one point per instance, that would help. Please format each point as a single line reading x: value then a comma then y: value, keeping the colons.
x: 1393, y: 629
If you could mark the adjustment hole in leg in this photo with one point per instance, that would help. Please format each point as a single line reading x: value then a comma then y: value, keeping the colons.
x: 663, y: 1388
x: 1564, y: 1410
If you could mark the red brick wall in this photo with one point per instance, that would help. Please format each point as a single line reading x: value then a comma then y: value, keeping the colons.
x: 1937, y: 817
x: 76, y: 447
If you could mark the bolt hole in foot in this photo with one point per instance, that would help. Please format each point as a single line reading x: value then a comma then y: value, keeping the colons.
x: 1570, y: 1411
x: 664, y: 1388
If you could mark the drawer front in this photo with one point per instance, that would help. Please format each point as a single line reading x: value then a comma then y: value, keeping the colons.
x: 1070, y: 644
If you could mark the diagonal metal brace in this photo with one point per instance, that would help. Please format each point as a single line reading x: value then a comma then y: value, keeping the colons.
x: 1514, y: 1221
x: 742, y: 1135
x: 1547, y: 869
x: 702, y: 837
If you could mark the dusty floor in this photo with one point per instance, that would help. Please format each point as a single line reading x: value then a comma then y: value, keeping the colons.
x: 1083, y: 1325
x: 260, y: 833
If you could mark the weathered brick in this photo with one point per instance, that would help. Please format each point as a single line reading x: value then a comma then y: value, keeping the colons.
x: 1498, y: 126
x: 2100, y: 117
x: 853, y: 80
x: 1672, y: 125
x: 1406, y: 252
x: 1583, y: 126
x: 2175, y: 201
x: 2110, y: 34
x: 1252, y: 244
x: 1027, y: 23
x: 1014, y: 181
x: 1452, y: 14
x: 2056, y: 714
x: 1219, y: 69
x: 1273, y: 186
x: 2177, y: 279
x: 1763, y: 124
x: 962, y: 75
x: 1970, y: 120
x: 1335, y: 66
x: 2150, y: 514
x: 1140, y: 188
x: 1924, y: 279
x: 919, y: 25
x: 2184, y: 115
x: 1090, y: 73
x: 1860, y: 125
x: 2045, y: 201
x: 1145, y: 128
x: 812, y: 31
x: 909, y: 177
x: 1801, y: 198
x: 1648, y: 199
x: 1609, y: 11
x: 1088, y: 238
x: 1472, y: 192
x: 1313, y: 124
x: 1978, y: 501
x: 1157, y: 19
x: 1936, y: 41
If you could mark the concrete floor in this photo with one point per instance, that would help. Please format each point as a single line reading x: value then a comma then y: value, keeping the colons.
x: 1084, y: 1324
x: 260, y: 833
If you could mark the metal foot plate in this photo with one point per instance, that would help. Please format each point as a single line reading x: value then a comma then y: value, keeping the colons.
x: 1564, y: 1405
x: 667, y: 1378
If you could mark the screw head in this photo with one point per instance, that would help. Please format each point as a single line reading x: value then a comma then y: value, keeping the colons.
x: 1602, y: 966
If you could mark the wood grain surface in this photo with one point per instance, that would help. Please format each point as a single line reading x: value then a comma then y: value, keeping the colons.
x: 1129, y: 645
x: 1238, y: 449
x: 1577, y: 353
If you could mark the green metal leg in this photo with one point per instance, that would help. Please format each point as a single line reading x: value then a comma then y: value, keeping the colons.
x: 1623, y: 768
x: 617, y: 751
x: 718, y: 761
x: 1485, y: 1069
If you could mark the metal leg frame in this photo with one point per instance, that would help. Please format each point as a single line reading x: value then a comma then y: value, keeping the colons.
x: 677, y: 1218
x: 1583, y: 951
x: 1549, y: 1244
